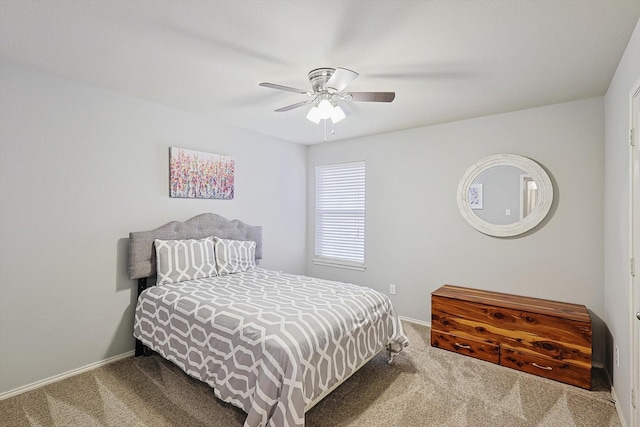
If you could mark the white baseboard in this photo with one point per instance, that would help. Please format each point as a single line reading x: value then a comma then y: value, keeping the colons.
x: 617, y: 405
x: 419, y: 322
x: 68, y: 374
x: 95, y: 365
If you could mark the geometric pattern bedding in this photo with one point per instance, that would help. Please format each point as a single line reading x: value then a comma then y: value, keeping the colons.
x: 180, y: 260
x: 234, y: 256
x: 266, y: 341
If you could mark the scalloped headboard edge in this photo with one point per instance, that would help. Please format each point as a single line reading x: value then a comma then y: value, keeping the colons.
x: 142, y: 254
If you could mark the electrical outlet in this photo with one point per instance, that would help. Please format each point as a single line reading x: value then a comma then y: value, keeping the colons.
x: 617, y: 355
x: 392, y: 289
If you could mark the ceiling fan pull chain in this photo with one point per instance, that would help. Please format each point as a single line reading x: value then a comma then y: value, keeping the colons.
x: 325, y: 131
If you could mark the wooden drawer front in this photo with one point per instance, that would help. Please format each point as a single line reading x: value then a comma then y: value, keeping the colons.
x: 559, y: 370
x: 468, y: 319
x: 467, y: 346
x: 547, y: 335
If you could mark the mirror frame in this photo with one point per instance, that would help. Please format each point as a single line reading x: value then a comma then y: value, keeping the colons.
x: 545, y: 195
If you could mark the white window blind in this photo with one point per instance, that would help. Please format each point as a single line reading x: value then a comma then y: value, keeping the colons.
x: 340, y: 209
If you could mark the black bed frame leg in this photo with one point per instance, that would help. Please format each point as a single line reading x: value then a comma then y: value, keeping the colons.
x: 141, y: 349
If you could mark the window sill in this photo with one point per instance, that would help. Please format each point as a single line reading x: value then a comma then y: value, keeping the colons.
x: 339, y: 264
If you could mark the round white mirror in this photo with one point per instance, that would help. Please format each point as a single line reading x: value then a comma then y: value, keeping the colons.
x: 505, y: 195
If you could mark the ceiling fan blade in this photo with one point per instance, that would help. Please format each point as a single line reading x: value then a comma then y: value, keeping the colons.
x: 296, y: 105
x: 372, y: 96
x: 340, y: 79
x: 287, y: 88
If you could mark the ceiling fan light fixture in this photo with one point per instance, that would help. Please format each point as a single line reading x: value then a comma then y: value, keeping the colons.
x: 314, y: 115
x: 337, y: 114
x: 325, y: 108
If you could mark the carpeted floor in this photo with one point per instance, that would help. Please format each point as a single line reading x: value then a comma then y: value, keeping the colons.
x: 425, y: 386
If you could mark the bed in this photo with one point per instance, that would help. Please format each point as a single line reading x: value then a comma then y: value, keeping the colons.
x: 271, y: 343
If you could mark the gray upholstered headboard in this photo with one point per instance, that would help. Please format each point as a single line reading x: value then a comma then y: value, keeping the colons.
x: 142, y: 254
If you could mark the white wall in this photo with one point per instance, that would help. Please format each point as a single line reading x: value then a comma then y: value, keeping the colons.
x: 417, y: 239
x: 616, y: 206
x: 79, y: 169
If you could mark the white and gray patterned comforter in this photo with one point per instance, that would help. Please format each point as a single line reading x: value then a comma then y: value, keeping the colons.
x: 267, y: 342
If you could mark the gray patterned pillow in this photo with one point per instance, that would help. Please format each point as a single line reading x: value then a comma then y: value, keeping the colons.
x: 180, y: 260
x: 234, y: 256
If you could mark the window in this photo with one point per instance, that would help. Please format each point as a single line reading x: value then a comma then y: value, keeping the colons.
x: 340, y: 208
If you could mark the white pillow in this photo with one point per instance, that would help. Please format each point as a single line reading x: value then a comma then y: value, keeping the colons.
x: 180, y: 260
x: 234, y: 256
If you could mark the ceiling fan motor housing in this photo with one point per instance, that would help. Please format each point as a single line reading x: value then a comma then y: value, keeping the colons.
x: 319, y: 78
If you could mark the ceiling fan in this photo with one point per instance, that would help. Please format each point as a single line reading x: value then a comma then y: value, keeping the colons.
x: 328, y: 85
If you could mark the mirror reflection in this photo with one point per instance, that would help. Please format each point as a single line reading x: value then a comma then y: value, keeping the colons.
x: 503, y: 195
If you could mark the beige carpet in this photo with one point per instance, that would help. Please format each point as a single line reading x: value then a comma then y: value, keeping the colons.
x: 424, y: 387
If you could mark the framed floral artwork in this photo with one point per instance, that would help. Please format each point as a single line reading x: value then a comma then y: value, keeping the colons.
x: 199, y: 175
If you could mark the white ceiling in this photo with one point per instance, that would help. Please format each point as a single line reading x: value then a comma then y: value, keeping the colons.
x: 446, y: 60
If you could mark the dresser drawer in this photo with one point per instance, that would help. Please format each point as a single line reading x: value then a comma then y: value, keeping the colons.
x: 559, y: 370
x: 549, y: 336
x: 468, y: 346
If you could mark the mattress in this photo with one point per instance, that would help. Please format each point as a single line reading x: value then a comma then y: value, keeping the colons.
x: 265, y: 341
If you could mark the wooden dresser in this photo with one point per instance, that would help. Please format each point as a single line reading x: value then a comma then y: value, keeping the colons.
x: 547, y: 338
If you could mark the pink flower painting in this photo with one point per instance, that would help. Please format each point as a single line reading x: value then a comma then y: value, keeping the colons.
x: 194, y: 174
